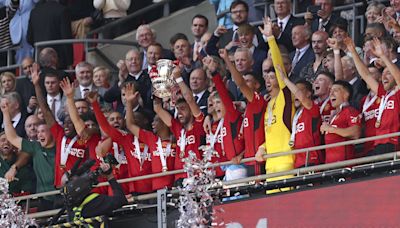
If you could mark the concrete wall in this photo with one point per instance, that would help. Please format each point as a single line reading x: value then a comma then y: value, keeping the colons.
x: 165, y: 28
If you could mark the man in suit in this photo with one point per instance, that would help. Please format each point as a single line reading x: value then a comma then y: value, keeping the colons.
x: 246, y: 34
x: 183, y: 52
x: 55, y: 99
x: 350, y: 75
x: 84, y: 76
x: 285, y: 23
x: 239, y: 13
x: 50, y: 20
x: 25, y: 88
x: 145, y: 36
x: 199, y: 86
x: 153, y: 54
x: 199, y: 27
x: 130, y: 69
x: 17, y: 117
x: 325, y: 17
x: 301, y: 36
x: 244, y: 64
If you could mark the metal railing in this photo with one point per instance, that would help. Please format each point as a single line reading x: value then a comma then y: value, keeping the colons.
x: 86, y: 43
x: 243, y: 180
x: 10, y: 58
x: 304, y: 170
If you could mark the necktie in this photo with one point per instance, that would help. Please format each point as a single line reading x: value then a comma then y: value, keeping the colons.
x: 296, y: 59
x: 235, y: 36
x: 85, y: 91
x: 53, y: 106
x: 196, y: 98
x: 196, y: 51
x: 321, y: 25
x: 281, y: 26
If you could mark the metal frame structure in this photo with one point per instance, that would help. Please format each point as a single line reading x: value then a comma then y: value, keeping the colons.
x: 163, y: 195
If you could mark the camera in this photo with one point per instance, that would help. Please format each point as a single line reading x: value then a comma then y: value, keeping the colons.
x: 82, y: 180
x: 314, y: 10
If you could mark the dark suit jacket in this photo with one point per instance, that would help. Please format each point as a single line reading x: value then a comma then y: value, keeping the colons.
x: 202, y: 103
x: 25, y: 89
x: 52, y: 21
x: 144, y: 84
x: 227, y: 37
x: 20, y: 128
x: 167, y: 54
x: 258, y: 56
x: 359, y: 91
x: 305, y: 59
x: 327, y: 27
x: 235, y: 91
x: 285, y: 38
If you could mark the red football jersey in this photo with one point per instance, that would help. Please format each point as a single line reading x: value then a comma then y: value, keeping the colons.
x: 325, y: 109
x: 253, y: 126
x: 78, y: 150
x: 369, y: 112
x: 193, y: 139
x: 232, y: 140
x: 390, y: 121
x: 217, y: 138
x: 120, y: 171
x: 308, y: 135
x: 345, y: 118
x: 139, y: 161
x: 168, y: 149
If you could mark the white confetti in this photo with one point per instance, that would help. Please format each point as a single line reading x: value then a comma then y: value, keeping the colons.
x: 195, y: 200
x: 11, y: 215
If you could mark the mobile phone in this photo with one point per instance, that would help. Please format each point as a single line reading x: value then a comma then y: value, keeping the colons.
x: 314, y: 9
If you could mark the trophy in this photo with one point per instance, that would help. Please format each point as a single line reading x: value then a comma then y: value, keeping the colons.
x: 161, y: 78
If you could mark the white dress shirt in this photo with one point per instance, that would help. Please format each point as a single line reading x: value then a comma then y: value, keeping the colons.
x: 284, y: 22
x: 82, y: 88
x: 56, y: 99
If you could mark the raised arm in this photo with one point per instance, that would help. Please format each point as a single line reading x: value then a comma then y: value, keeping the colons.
x: 130, y: 96
x: 337, y: 65
x: 48, y: 116
x: 10, y: 132
x: 115, y: 134
x: 378, y: 52
x: 237, y: 76
x: 186, y: 92
x: 211, y: 66
x: 361, y: 67
x: 68, y: 90
x: 15, y: 140
x: 304, y: 100
x: 164, y: 115
x: 273, y: 48
x: 103, y: 147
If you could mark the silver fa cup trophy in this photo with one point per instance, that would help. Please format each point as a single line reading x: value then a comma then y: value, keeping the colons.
x: 162, y: 79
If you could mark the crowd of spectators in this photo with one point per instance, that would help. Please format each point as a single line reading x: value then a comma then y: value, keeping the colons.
x: 244, y: 91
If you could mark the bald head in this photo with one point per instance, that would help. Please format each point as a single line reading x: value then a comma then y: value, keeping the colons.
x: 31, y: 124
x: 48, y: 58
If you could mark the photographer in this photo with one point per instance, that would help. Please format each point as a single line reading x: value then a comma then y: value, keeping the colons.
x: 320, y: 16
x: 95, y: 204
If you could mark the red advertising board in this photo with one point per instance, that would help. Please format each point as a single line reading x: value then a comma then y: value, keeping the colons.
x: 372, y: 203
